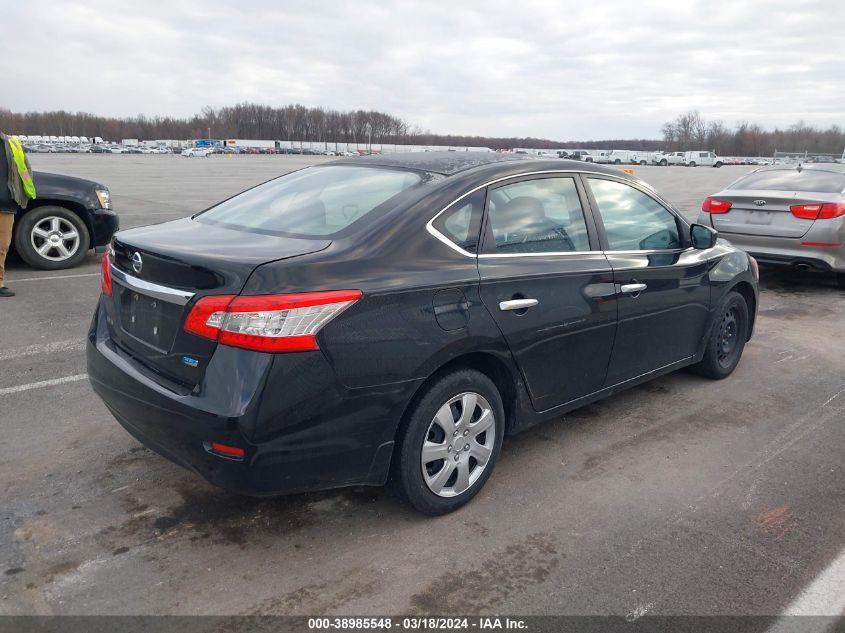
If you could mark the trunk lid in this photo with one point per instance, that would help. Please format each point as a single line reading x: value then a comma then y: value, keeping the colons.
x: 772, y: 218
x: 158, y: 273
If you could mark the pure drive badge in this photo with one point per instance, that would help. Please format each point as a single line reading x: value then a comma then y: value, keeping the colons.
x: 193, y: 362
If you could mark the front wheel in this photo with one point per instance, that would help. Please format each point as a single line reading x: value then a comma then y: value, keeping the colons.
x: 617, y: 162
x: 450, y: 442
x: 664, y: 163
x: 642, y: 162
x: 727, y: 339
x: 717, y: 165
x: 52, y: 238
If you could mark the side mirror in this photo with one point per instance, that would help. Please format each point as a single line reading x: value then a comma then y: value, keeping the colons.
x: 703, y: 237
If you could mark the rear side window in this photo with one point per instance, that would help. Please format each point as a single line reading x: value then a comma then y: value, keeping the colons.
x: 538, y: 216
x: 634, y: 221
x: 313, y: 202
x: 793, y: 180
x: 461, y: 223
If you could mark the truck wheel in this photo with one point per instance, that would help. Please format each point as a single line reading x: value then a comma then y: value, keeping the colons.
x: 717, y: 165
x: 642, y: 162
x: 449, y: 443
x: 692, y: 163
x: 588, y: 160
x: 51, y: 238
x: 617, y: 162
x: 664, y: 163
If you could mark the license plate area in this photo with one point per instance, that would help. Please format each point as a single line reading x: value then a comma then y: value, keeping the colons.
x: 148, y: 319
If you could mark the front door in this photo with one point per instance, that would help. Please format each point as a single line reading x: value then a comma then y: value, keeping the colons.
x: 548, y: 286
x: 664, y: 292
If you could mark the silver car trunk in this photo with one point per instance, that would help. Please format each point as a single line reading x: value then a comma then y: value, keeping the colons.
x: 765, y: 212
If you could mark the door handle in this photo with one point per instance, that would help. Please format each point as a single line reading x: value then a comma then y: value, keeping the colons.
x: 632, y: 289
x: 517, y: 304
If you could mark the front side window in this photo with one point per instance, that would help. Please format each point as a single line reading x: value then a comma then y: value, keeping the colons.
x: 538, y: 216
x: 633, y: 220
x: 313, y: 202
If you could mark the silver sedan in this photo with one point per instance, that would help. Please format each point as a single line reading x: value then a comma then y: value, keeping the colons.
x: 785, y: 215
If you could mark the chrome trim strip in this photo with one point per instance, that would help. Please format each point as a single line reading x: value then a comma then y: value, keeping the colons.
x: 649, y: 190
x: 171, y: 295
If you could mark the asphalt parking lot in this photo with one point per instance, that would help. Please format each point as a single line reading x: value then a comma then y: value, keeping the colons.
x: 682, y: 496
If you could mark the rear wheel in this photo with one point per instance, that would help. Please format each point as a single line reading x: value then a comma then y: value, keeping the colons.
x: 718, y: 165
x: 450, y: 442
x: 664, y: 163
x: 617, y: 162
x: 727, y: 339
x: 692, y: 163
x: 642, y: 162
x: 52, y: 238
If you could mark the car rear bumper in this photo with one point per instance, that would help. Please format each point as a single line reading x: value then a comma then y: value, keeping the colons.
x: 300, y: 429
x: 808, y: 252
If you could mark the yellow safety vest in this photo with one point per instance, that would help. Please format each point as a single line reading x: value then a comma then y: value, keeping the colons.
x: 23, y: 170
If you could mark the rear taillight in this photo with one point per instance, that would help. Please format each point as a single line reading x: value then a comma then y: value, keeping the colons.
x: 106, y: 273
x: 826, y: 211
x: 268, y: 323
x: 712, y: 205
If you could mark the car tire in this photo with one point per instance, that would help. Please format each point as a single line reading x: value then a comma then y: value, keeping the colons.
x: 692, y: 163
x: 642, y: 162
x: 617, y: 162
x: 664, y: 163
x: 840, y: 280
x: 727, y: 339
x: 437, y: 485
x: 717, y: 165
x: 38, y: 226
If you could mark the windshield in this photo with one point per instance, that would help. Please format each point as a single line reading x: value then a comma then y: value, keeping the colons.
x: 313, y: 202
x: 793, y: 180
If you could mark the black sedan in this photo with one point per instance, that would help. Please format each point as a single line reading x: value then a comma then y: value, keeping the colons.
x: 395, y: 317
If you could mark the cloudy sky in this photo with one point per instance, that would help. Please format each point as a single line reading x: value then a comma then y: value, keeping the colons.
x: 562, y: 70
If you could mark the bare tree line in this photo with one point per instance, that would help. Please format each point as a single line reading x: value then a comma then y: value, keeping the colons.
x: 692, y: 131
x: 298, y: 122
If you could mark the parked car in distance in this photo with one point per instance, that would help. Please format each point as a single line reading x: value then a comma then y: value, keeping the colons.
x: 785, y: 216
x: 69, y: 217
x: 395, y: 316
x: 670, y: 158
x: 578, y: 154
x: 204, y: 152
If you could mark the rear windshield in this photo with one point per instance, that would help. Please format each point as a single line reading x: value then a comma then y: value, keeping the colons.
x: 793, y: 180
x: 314, y: 202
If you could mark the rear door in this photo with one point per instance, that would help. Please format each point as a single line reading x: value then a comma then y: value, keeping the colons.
x: 664, y: 293
x: 548, y: 286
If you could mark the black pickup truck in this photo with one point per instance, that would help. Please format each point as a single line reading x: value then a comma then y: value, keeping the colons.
x: 68, y: 217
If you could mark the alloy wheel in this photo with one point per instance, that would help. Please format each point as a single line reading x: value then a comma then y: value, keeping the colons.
x: 458, y: 444
x: 55, y: 239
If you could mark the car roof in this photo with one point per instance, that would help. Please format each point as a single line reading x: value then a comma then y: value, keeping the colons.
x: 488, y: 163
x: 445, y: 163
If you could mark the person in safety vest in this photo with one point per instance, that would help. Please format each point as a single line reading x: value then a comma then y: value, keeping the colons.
x: 16, y: 190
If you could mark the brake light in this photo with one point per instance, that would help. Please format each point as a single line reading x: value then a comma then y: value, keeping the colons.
x: 712, y: 205
x: 268, y: 323
x: 105, y: 281
x: 232, y: 452
x: 826, y: 211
